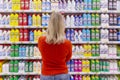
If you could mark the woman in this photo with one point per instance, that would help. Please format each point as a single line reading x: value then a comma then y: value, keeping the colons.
x: 56, y: 51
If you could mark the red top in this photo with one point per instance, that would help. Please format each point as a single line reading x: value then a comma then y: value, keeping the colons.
x: 54, y: 56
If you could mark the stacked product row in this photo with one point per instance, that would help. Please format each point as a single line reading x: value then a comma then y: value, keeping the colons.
x: 104, y: 35
x: 16, y: 35
x: 77, y: 65
x: 15, y: 66
x: 20, y: 78
x: 95, y: 50
x: 94, y: 77
x: 71, y: 20
x: 19, y: 51
x: 62, y: 5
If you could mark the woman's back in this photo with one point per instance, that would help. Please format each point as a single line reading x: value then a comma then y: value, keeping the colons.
x: 54, y: 56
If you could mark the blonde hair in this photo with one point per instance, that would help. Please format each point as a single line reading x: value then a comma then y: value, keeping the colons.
x: 56, y: 27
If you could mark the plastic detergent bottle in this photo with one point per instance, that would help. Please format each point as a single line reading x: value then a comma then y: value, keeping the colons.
x: 85, y: 19
x: 89, y: 5
x: 22, y: 4
x: 73, y: 5
x: 87, y: 35
x: 89, y: 51
x: 94, y: 4
x: 89, y: 18
x: 93, y: 50
x: 97, y: 52
x: 97, y: 35
x: 92, y: 65
x: 16, y: 66
x: 29, y: 20
x: 11, y: 63
x: 12, y: 51
x: 16, y: 50
x: 68, y: 21
x: 97, y: 19
x: 20, y: 19
x: 93, y: 19
x: 11, y: 19
x: 98, y: 5
x: 83, y: 35
x: 93, y: 35
x: 97, y: 65
x: 31, y: 5
x: 34, y: 19
x: 39, y: 5
x: 31, y: 36
x: 25, y: 21
x: 38, y: 20
x: 85, y: 4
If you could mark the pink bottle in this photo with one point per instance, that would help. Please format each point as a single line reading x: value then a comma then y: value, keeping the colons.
x: 75, y: 77
x: 79, y: 65
x: 79, y: 77
x: 76, y: 65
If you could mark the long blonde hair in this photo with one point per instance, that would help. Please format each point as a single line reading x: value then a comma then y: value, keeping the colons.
x: 56, y: 27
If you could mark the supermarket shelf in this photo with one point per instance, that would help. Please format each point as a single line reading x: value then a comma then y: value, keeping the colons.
x: 27, y: 73
x: 65, y: 11
x: 80, y: 42
x: 95, y: 73
x: 19, y: 58
x: 41, y: 27
x: 78, y: 57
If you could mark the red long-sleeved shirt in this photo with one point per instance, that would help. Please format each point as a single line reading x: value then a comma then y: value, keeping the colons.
x: 54, y: 56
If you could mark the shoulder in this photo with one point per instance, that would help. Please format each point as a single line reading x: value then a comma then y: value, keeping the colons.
x: 68, y: 42
x: 42, y: 38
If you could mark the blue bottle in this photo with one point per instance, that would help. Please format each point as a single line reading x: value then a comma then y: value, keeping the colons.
x: 71, y: 65
x: 76, y: 22
x: 118, y: 35
x: 118, y: 21
x: 29, y: 20
x: 85, y: 4
x: 80, y: 20
x: 31, y: 36
x: 89, y: 19
x: 23, y: 51
x: 87, y: 35
x: 71, y: 77
x: 85, y: 19
x: 68, y: 34
x: 89, y: 5
x: 77, y: 4
x: 84, y: 35
x: 72, y: 33
x: 20, y: 51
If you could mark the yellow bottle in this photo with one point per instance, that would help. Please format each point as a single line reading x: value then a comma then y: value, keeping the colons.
x: 39, y: 33
x: 34, y: 19
x: 88, y: 78
x: 38, y: 20
x: 85, y: 50
x: 84, y: 78
x: 17, y: 5
x: 11, y: 19
x: 16, y: 20
x: 12, y: 36
x: 39, y: 5
x: 17, y: 35
x: 88, y: 66
x: 35, y: 4
x: 89, y: 51
x: 13, y: 4
x: 83, y: 65
x: 35, y: 35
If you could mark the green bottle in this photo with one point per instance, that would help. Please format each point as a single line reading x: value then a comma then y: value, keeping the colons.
x: 12, y: 51
x: 16, y: 50
x: 11, y: 78
x: 92, y: 65
x: 16, y: 65
x: 118, y: 50
x: 97, y: 67
x: 11, y: 67
x: 15, y: 77
x: 96, y: 78
x: 119, y: 65
x: 97, y: 35
x: 94, y: 4
x: 93, y: 19
x: 98, y: 5
x: 31, y: 51
x: 30, y: 66
x: 93, y: 50
x: 92, y: 35
x: 93, y: 78
x: 107, y: 66
x: 26, y: 66
x: 97, y: 48
x: 97, y: 19
x: 101, y: 64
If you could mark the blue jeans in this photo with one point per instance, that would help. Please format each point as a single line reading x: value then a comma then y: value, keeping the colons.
x: 56, y: 77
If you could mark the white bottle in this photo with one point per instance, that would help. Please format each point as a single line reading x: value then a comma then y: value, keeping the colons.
x: 76, y: 36
x: 3, y: 19
x: 7, y: 22
x: 69, y: 7
x: 106, y: 50
x: 7, y: 67
x: 72, y: 21
x: 103, y: 20
x: 106, y: 35
x: 1, y: 50
x: 8, y: 51
x: 110, y: 51
x: 1, y: 4
x: 118, y: 5
x: 115, y: 66
x: 22, y: 66
x: 73, y: 5
x: 10, y: 5
x: 77, y: 51
x: 68, y: 21
x: 34, y: 66
x: 43, y: 5
x: 81, y: 51
x: 106, y: 20
x: 5, y: 5
x: 102, y: 35
x: 31, y: 4
x: 114, y: 50
x: 7, y: 36
x: 80, y: 36
x: 0, y: 19
x: 4, y: 35
x: 0, y: 35
x: 39, y: 67
x: 101, y: 50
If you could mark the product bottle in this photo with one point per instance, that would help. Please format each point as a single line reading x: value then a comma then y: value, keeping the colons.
x: 43, y: 5
x: 97, y: 65
x: 34, y: 19
x: 93, y: 50
x: 25, y: 21
x: 29, y: 20
x: 21, y: 35
x: 85, y: 19
x: 98, y: 5
x: 94, y: 6
x: 22, y: 4
x: 93, y: 19
x: 87, y: 35
x: 93, y: 65
x: 16, y: 66
x: 97, y: 19
x: 97, y: 35
x: 89, y: 18
x: 39, y: 5
x: 20, y: 19
x: 16, y: 50
x: 93, y: 34
x: 31, y: 4
x: 26, y: 35
x: 73, y: 5
x: 26, y: 4
x: 38, y: 20
x: 97, y: 52
x: 85, y: 4
x: 68, y: 21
